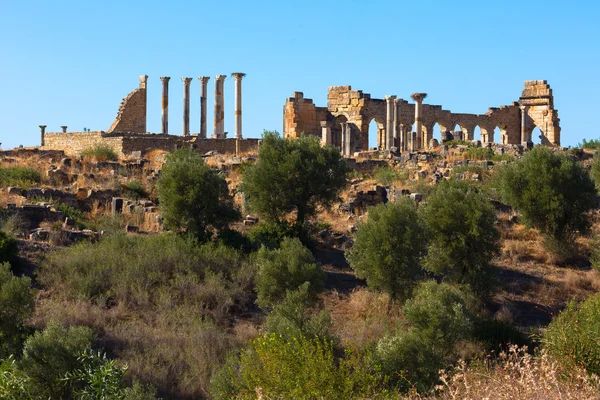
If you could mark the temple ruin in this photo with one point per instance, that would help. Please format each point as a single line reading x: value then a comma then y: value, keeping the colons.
x: 128, y: 132
x: 409, y: 127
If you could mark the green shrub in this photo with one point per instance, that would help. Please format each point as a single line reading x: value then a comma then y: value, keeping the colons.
x: 269, y: 234
x: 454, y: 143
x: 463, y: 235
x: 100, y: 152
x: 480, y: 153
x: 299, y: 368
x: 16, y: 306
x: 573, y: 337
x: 291, y: 317
x: 592, y: 144
x: 440, y: 316
x: 387, y: 175
x: 14, y: 385
x: 193, y: 197
x: 134, y: 190
x: 388, y: 248
x: 293, y: 176
x: 595, y: 255
x: 97, y: 377
x: 286, y: 269
x: 52, y: 353
x: 595, y: 170
x: 552, y: 192
x: 8, y: 247
x: 19, y: 176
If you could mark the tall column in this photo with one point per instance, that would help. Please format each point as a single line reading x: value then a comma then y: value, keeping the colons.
x: 389, y: 122
x: 348, y: 139
x: 325, y: 133
x: 64, y: 128
x: 401, y: 137
x: 418, y: 98
x: 343, y: 138
x: 42, y: 132
x: 165, y: 104
x: 238, y: 103
x: 524, y: 136
x: 144, y: 85
x: 219, y: 109
x: 395, y: 140
x: 203, y: 93
x: 186, y: 105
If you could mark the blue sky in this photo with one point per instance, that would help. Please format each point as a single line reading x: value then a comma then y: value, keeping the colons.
x: 71, y: 62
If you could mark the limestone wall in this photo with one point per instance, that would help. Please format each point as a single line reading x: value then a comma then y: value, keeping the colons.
x: 73, y: 143
x: 131, y: 116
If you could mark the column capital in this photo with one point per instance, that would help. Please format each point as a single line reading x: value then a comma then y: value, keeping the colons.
x: 326, y: 124
x: 64, y: 128
x: 389, y: 98
x: 165, y: 79
x: 43, y: 126
x: 204, y: 79
x: 143, y: 81
x: 186, y: 81
x: 238, y: 75
x: 418, y: 97
x: 220, y: 77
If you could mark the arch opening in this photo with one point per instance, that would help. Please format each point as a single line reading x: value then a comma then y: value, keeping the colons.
x: 497, y: 135
x: 375, y: 131
x: 336, y: 131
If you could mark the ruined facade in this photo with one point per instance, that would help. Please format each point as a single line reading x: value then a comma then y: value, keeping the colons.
x: 128, y: 133
x: 345, y: 121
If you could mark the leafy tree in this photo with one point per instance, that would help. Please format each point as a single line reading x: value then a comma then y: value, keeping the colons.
x: 8, y: 247
x: 293, y: 175
x: 286, y: 269
x: 290, y: 318
x: 595, y: 171
x: 193, y: 197
x: 463, y: 237
x: 52, y: 353
x: 14, y: 385
x: 552, y: 192
x: 16, y: 306
x: 388, y: 248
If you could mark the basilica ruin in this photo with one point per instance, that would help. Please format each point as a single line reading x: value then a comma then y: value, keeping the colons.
x: 409, y: 126
x: 128, y: 134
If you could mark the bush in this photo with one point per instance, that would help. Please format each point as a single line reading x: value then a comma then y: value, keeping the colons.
x: 300, y: 368
x: 19, y: 176
x: 595, y: 170
x: 286, y: 269
x: 269, y: 234
x: 16, y: 306
x: 193, y: 198
x: 291, y: 317
x: 388, y: 248
x: 51, y: 354
x: 293, y: 175
x: 96, y: 378
x: 595, y: 256
x: 552, y: 192
x: 134, y: 190
x: 573, y: 337
x: 463, y: 235
x: 8, y: 248
x: 14, y: 385
x: 592, y: 144
x: 100, y: 152
x: 440, y: 316
x: 387, y: 175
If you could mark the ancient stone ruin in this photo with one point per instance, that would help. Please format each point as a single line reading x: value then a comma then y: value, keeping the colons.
x: 128, y: 134
x: 409, y: 127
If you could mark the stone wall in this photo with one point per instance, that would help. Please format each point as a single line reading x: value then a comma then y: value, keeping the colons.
x: 516, y: 121
x: 131, y: 116
x: 73, y: 143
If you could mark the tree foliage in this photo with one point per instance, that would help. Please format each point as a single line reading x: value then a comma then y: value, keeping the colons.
x: 8, y: 247
x: 286, y: 269
x: 463, y: 237
x: 193, y: 198
x: 293, y: 176
x: 16, y: 306
x: 388, y: 248
x: 552, y: 191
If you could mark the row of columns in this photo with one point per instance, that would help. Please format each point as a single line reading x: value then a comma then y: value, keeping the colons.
x: 219, y: 108
x: 395, y: 132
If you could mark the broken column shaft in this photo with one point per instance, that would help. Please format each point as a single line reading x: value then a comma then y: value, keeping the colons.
x: 165, y: 104
x: 389, y: 122
x: 43, y: 132
x: 64, y: 128
x: 219, y: 122
x: 203, y: 93
x: 186, y: 106
x: 418, y: 98
x: 238, y: 103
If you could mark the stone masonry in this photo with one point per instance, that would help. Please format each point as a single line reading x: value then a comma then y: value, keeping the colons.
x: 410, y: 126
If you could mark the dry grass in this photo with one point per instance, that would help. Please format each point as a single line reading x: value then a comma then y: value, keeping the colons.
x: 363, y: 316
x: 517, y: 375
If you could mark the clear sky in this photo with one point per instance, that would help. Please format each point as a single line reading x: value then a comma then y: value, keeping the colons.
x: 71, y: 62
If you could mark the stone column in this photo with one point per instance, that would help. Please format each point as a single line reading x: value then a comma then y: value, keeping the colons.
x: 524, y: 136
x: 389, y: 122
x: 238, y: 103
x: 165, y: 104
x: 343, y: 138
x: 396, y: 133
x: 401, y: 137
x: 186, y: 105
x: 418, y: 98
x: 64, y: 128
x: 325, y: 133
x: 144, y: 85
x: 42, y: 132
x: 203, y: 95
x: 348, y: 139
x: 219, y: 109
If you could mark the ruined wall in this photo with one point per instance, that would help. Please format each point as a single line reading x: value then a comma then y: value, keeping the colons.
x: 515, y: 121
x: 73, y: 143
x: 131, y: 116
